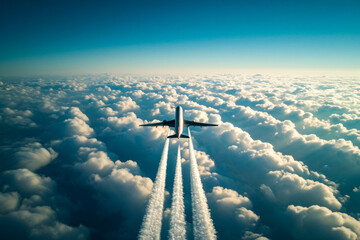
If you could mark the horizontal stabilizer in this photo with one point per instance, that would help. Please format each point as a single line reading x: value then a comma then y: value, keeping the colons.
x: 175, y: 136
x: 184, y: 136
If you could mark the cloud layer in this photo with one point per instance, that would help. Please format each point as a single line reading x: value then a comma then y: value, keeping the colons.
x: 284, y: 162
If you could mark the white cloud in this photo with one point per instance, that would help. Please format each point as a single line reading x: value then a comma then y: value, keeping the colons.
x: 231, y: 210
x: 8, y: 202
x: 228, y: 199
x: 17, y: 117
x: 123, y: 191
x: 76, y: 112
x: 290, y: 188
x: 33, y: 156
x: 280, y: 141
x: 40, y: 223
x: 27, y: 182
x: 98, y: 162
x: 253, y: 236
x: 77, y: 126
x: 126, y: 104
x: 317, y: 222
x: 108, y: 111
x: 246, y: 216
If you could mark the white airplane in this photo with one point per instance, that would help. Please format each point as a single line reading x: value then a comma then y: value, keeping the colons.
x: 178, y: 123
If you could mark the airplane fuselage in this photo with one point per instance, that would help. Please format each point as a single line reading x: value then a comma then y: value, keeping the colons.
x: 179, y: 121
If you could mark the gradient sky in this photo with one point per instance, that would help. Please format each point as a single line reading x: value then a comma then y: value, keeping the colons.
x: 47, y: 37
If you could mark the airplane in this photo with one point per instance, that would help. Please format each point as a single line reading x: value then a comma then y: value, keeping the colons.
x: 178, y: 123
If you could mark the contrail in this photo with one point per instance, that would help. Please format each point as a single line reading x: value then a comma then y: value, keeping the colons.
x: 177, y: 220
x: 202, y: 222
x: 151, y: 226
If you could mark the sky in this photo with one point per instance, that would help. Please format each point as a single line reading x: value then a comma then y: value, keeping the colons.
x: 78, y: 78
x: 64, y: 37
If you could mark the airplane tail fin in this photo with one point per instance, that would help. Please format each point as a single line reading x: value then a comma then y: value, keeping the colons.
x: 181, y: 136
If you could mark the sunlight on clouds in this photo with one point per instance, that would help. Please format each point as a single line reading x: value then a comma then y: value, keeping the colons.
x: 283, y: 162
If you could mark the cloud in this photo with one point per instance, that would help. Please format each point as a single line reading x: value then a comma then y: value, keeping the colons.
x: 317, y: 222
x: 124, y: 183
x: 26, y: 182
x: 76, y: 112
x: 310, y: 149
x: 108, y: 111
x: 282, y: 164
x: 130, y: 119
x: 38, y: 223
x: 126, y: 104
x: 23, y: 213
x: 98, y: 162
x: 228, y: 199
x: 253, y: 236
x: 290, y: 188
x: 17, y: 117
x: 33, y: 156
x: 230, y: 209
x: 77, y: 126
x: 8, y: 202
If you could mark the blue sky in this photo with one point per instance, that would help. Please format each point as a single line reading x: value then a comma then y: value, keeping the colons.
x: 46, y: 37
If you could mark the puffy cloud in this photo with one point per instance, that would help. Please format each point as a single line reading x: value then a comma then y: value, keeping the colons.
x: 108, y: 111
x: 26, y: 182
x: 130, y: 165
x: 77, y: 126
x: 76, y: 112
x: 123, y: 183
x: 237, y: 144
x: 317, y: 153
x: 33, y: 156
x: 98, y: 162
x: 205, y: 164
x: 273, y: 168
x: 198, y: 116
x: 317, y: 222
x: 126, y: 104
x: 17, y: 117
x: 246, y: 216
x: 214, y: 100
x: 163, y: 108
x: 123, y: 194
x: 8, y: 202
x: 129, y: 120
x: 38, y: 223
x: 290, y: 188
x: 231, y: 210
x: 228, y: 199
x: 138, y: 93
x: 253, y: 236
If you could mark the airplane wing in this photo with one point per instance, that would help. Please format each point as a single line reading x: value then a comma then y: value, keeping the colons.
x: 170, y: 123
x: 192, y: 123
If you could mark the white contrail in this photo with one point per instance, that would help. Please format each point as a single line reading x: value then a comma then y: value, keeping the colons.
x: 177, y: 220
x: 202, y: 222
x: 151, y: 226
